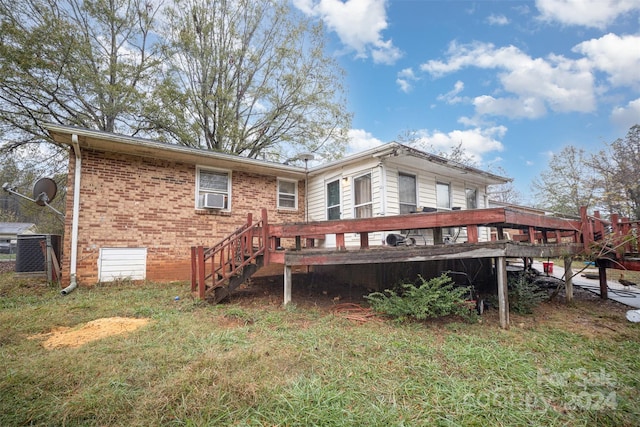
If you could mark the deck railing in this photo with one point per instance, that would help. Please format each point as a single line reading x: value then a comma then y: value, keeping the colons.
x: 213, y: 267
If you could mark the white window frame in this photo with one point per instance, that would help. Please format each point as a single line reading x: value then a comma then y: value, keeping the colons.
x: 400, y: 202
x: 468, y: 188
x: 200, y: 192
x: 295, y: 194
x: 353, y: 192
x: 338, y: 206
x: 448, y: 185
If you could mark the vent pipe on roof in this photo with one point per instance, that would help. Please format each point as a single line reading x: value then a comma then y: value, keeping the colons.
x: 74, y: 217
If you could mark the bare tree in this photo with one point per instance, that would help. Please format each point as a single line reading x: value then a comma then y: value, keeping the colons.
x: 619, y: 168
x: 568, y: 183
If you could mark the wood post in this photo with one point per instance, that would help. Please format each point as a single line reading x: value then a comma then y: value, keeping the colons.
x: 364, y: 240
x: 194, y: 270
x: 586, y: 229
x: 604, y: 287
x: 568, y: 278
x: 503, y: 296
x: 201, y: 273
x: 472, y: 234
x: 287, y: 284
x: 340, y: 244
x: 266, y: 239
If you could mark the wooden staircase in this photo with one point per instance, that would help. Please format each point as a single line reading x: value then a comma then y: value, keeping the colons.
x: 219, y: 270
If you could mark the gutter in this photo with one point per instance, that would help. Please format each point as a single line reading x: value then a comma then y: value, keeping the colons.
x: 74, y: 217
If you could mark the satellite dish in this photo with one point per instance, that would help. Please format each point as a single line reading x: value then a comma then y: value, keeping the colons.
x: 44, y: 191
x: 306, y: 156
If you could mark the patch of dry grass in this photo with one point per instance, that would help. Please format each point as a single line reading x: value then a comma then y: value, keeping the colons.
x: 254, y: 363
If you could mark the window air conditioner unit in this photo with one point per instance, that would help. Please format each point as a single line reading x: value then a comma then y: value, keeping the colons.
x: 213, y: 201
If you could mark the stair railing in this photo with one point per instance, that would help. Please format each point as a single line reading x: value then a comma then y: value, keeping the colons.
x: 217, y: 264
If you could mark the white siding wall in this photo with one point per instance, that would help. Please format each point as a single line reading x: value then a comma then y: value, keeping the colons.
x: 384, y: 177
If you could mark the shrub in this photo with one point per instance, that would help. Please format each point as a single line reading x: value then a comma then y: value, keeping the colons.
x: 433, y: 298
x: 524, y: 296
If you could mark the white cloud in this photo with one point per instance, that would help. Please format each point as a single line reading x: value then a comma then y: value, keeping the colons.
x: 358, y: 23
x: 405, y: 79
x: 625, y: 117
x: 538, y: 84
x: 360, y: 140
x: 499, y: 20
x: 618, y: 56
x: 588, y: 13
x: 529, y: 107
x: 476, y: 142
x: 452, y: 97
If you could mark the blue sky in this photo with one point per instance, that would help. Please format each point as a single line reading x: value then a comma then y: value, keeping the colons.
x: 513, y: 81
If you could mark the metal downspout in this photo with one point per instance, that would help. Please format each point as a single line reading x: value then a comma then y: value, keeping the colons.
x: 74, y: 219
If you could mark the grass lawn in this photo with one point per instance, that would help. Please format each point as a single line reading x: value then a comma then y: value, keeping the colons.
x: 251, y: 362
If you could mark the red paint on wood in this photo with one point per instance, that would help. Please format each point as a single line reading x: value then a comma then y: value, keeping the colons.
x: 472, y: 233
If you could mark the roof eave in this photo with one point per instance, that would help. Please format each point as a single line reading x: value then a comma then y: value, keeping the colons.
x: 116, y: 143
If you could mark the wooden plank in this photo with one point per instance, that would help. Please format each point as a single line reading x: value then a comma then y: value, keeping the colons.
x: 503, y: 295
x: 287, y: 284
x: 340, y: 245
x: 387, y: 255
x: 472, y: 233
x: 391, y: 223
x: 514, y: 218
x: 532, y: 234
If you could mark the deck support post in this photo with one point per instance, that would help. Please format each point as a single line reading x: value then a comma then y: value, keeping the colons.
x: 604, y: 288
x: 568, y: 279
x: 287, y: 284
x: 503, y: 296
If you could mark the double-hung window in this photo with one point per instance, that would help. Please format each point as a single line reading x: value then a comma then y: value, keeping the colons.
x: 213, y: 189
x: 443, y: 195
x: 287, y: 194
x: 472, y: 198
x: 363, y: 202
x: 407, y: 193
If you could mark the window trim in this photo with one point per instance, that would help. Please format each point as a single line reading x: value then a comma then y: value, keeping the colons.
x: 353, y: 193
x: 417, y: 192
x: 229, y: 187
x: 295, y: 194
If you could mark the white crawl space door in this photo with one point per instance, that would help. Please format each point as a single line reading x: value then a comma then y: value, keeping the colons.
x: 122, y: 263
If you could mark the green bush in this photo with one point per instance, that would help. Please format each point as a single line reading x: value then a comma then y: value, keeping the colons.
x: 524, y: 296
x: 433, y: 298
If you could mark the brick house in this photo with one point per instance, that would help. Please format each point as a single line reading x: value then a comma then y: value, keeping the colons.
x: 140, y: 204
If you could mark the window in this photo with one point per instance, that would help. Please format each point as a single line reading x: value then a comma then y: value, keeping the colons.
x: 333, y: 200
x: 287, y: 194
x: 213, y: 182
x: 472, y: 198
x: 407, y: 193
x: 363, y: 205
x: 443, y: 195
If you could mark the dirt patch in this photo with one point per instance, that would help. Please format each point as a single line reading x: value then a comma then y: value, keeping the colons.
x: 7, y: 266
x: 90, y: 331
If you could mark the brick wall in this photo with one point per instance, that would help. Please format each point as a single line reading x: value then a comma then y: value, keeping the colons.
x: 130, y: 201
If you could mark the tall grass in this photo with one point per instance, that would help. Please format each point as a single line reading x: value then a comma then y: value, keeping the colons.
x: 196, y: 364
